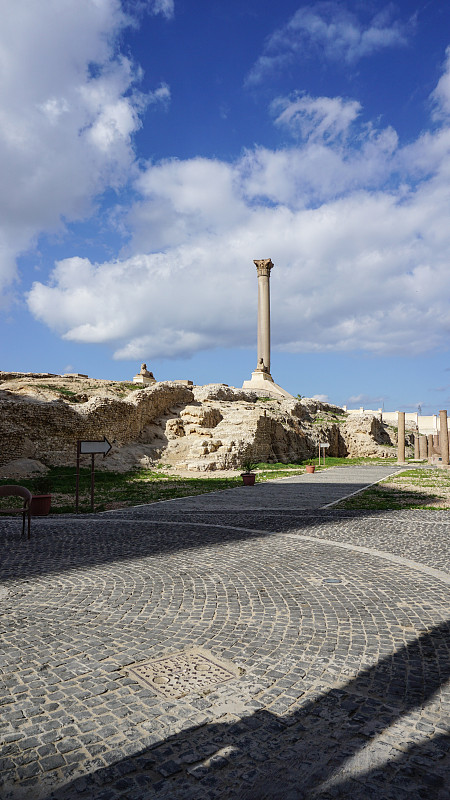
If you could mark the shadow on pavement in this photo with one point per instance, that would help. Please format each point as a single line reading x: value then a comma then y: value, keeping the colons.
x: 71, y: 542
x: 319, y: 751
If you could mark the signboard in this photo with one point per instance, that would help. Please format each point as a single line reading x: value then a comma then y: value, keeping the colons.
x: 324, y: 445
x: 95, y: 447
x: 91, y: 448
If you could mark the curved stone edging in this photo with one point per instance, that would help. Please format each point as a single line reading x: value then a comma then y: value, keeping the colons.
x: 406, y: 562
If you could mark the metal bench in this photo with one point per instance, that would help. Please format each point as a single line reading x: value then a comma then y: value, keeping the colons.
x: 25, y: 510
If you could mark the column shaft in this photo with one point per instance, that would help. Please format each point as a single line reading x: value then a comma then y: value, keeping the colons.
x: 401, y: 437
x: 422, y: 446
x: 443, y: 436
x: 263, y: 267
x: 264, y: 320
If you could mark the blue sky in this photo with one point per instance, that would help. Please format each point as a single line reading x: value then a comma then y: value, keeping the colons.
x: 150, y: 150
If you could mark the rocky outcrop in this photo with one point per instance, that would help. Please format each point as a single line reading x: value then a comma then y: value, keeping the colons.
x: 201, y: 428
x: 366, y: 435
x: 48, y: 431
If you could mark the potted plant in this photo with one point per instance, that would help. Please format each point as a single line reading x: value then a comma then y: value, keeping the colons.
x: 248, y: 476
x: 41, y: 496
x: 310, y: 466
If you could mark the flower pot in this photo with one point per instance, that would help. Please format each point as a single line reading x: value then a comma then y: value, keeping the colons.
x: 40, y: 505
x: 310, y: 468
x: 248, y: 478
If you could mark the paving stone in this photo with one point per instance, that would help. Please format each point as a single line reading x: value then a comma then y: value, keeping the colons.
x: 338, y: 622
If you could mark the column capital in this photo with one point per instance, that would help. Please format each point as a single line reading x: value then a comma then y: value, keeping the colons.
x: 263, y: 266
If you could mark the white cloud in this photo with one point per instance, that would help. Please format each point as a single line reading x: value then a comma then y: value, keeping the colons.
x: 363, y: 272
x: 316, y: 117
x: 164, y: 7
x: 160, y: 95
x: 68, y: 112
x: 182, y: 199
x: 147, y: 302
x: 366, y: 401
x: 327, y: 29
x: 357, y: 227
x: 441, y: 95
x: 319, y: 170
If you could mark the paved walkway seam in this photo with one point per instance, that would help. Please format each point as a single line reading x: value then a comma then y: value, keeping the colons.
x: 406, y: 562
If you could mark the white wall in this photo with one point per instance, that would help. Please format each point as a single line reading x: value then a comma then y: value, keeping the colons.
x: 426, y: 424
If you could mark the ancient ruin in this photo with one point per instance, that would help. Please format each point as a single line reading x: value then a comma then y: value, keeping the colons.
x: 189, y: 428
x: 261, y: 379
x: 144, y: 377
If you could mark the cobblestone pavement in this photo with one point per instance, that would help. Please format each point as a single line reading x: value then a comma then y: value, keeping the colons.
x: 334, y: 624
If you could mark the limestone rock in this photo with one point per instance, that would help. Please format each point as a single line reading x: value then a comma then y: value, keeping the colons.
x: 202, y: 428
x: 51, y: 429
x: 220, y: 391
x: 366, y: 435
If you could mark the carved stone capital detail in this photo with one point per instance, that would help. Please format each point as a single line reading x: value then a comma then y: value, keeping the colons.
x: 263, y: 266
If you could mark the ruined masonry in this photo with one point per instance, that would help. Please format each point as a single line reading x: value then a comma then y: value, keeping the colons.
x: 193, y: 428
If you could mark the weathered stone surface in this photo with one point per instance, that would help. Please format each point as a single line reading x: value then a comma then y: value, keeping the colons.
x: 220, y: 391
x: 367, y: 435
x: 336, y: 623
x: 49, y: 431
x: 203, y: 428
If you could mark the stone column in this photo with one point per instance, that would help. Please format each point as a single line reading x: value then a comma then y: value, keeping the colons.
x: 401, y: 437
x: 263, y: 267
x: 416, y: 447
x: 443, y: 436
x: 430, y: 445
x: 422, y: 446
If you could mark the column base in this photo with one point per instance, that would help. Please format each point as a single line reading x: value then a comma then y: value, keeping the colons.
x: 144, y: 380
x: 263, y: 382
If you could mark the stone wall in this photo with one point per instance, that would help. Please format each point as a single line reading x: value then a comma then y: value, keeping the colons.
x: 48, y: 431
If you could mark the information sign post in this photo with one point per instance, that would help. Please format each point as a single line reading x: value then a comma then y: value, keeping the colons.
x: 89, y: 448
x: 323, y: 445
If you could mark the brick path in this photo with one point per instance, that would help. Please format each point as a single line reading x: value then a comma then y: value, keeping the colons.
x: 336, y: 624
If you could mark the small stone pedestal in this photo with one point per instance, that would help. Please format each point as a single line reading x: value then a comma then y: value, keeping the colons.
x: 144, y: 377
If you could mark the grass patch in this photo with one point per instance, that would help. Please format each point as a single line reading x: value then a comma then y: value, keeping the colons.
x: 417, y: 488
x: 131, y: 387
x: 333, y: 461
x: 123, y: 489
x: 268, y: 471
x: 331, y: 419
x: 118, y: 490
x: 269, y: 466
x: 67, y: 394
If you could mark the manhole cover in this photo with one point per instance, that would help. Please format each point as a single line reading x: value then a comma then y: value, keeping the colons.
x: 183, y: 673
